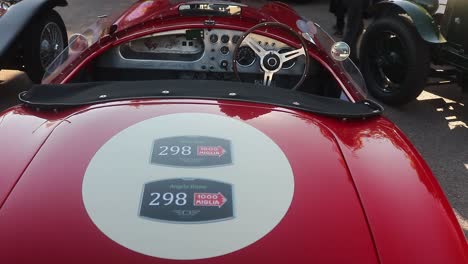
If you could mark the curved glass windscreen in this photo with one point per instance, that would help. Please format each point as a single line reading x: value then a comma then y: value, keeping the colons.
x: 202, y: 53
x: 315, y: 34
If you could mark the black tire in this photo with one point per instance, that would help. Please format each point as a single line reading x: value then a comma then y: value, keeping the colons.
x: 395, y: 60
x: 34, y: 66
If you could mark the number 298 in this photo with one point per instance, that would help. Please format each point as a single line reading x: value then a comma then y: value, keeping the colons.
x: 175, y: 150
x: 180, y: 199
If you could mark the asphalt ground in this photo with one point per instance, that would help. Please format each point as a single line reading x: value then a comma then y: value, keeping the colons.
x: 436, y: 123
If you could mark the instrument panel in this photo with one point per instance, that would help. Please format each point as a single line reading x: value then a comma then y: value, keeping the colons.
x: 195, y: 50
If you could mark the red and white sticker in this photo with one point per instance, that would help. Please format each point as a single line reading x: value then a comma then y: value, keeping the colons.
x: 210, y: 151
x: 209, y: 199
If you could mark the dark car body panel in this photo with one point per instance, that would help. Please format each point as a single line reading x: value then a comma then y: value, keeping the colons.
x: 454, y: 26
x: 16, y: 20
x: 455, y: 23
x: 430, y: 5
x: 450, y: 32
x: 420, y: 17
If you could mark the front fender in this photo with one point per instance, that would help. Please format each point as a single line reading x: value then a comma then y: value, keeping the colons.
x: 406, y: 209
x: 16, y: 20
x: 419, y: 16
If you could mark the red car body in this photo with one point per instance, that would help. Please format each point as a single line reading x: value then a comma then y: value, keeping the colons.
x: 362, y: 193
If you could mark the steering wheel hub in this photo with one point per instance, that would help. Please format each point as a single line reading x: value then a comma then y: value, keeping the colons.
x: 271, y: 62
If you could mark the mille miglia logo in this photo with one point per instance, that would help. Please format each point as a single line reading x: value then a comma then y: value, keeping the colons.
x: 210, y: 151
x: 209, y: 199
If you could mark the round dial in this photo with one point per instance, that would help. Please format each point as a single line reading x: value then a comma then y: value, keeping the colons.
x: 288, y: 64
x: 246, y: 56
x: 235, y: 39
x: 225, y: 39
x: 224, y: 50
x: 213, y: 38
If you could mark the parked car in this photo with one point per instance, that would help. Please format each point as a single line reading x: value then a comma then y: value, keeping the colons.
x: 213, y: 132
x: 33, y: 34
x: 408, y: 43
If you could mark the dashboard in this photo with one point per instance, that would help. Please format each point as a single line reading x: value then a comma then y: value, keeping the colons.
x: 199, y: 50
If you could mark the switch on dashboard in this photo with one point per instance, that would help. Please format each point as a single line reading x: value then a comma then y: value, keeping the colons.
x: 224, y: 65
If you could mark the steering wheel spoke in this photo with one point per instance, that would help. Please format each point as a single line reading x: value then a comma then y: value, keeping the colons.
x: 267, y: 78
x: 257, y: 48
x: 287, y: 56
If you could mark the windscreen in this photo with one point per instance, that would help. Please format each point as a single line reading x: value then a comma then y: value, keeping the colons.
x: 78, y: 42
x: 310, y: 31
x: 315, y: 34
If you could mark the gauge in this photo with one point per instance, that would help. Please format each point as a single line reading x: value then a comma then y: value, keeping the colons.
x: 289, y: 64
x: 225, y: 39
x: 4, y: 5
x: 235, y: 39
x: 214, y: 38
x: 246, y: 56
x: 224, y: 50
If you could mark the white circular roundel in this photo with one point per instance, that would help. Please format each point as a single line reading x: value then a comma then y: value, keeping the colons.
x: 188, y: 186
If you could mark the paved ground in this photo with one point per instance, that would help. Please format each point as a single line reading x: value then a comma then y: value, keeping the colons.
x: 436, y: 123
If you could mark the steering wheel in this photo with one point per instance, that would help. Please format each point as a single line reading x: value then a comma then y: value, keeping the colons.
x: 271, y: 61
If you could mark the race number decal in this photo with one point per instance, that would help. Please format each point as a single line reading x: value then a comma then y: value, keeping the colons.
x: 191, y: 151
x: 187, y: 200
x: 240, y: 190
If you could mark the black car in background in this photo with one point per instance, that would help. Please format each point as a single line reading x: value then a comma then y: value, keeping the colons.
x: 410, y: 42
x: 32, y: 35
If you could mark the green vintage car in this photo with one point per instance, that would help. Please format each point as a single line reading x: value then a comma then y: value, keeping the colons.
x: 411, y: 42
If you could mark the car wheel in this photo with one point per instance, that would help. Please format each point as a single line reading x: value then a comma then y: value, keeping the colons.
x: 395, y: 60
x: 44, y: 40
